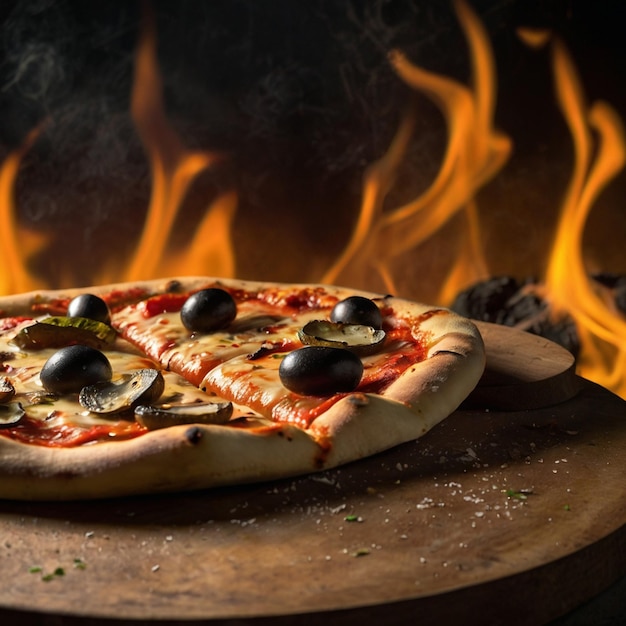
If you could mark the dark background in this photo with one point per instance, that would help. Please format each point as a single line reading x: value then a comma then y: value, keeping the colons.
x: 300, y: 97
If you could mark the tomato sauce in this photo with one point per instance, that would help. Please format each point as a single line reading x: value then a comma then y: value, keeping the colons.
x: 8, y: 323
x: 39, y: 432
x: 310, y: 298
x: 164, y: 303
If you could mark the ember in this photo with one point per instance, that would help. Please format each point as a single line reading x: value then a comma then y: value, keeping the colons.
x: 504, y: 300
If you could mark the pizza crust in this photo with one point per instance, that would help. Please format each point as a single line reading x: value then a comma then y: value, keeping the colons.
x: 198, y: 457
x: 179, y: 458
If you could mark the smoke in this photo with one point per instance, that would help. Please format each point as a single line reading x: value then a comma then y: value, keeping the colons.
x: 37, y: 72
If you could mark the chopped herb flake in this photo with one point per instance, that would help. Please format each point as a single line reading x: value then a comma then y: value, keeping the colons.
x: 517, y: 495
x: 361, y: 552
x: 58, y: 572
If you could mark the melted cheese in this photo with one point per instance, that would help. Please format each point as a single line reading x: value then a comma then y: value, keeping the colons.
x: 259, y: 327
x: 240, y: 362
x: 61, y: 417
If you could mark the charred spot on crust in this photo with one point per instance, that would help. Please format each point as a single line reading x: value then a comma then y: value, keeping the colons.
x: 446, y: 352
x: 173, y: 286
x: 358, y: 399
x: 193, y: 435
x: 284, y: 435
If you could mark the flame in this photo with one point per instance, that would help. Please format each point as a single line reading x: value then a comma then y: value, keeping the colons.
x: 17, y: 243
x: 475, y: 153
x: 383, y: 237
x: 567, y: 286
x: 174, y: 169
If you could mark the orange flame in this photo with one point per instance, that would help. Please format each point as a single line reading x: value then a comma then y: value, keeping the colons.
x: 174, y: 168
x: 568, y: 288
x: 475, y: 153
x: 17, y: 243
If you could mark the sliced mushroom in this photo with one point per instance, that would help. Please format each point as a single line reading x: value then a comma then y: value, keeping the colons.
x: 354, y: 337
x: 41, y: 397
x: 7, y: 390
x: 155, y: 417
x: 10, y: 414
x: 142, y: 386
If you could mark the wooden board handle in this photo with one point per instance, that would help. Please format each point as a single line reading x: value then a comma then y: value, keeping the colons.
x: 523, y: 371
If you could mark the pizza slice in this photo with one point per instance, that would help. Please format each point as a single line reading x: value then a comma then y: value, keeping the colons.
x: 242, y: 399
x: 63, y: 394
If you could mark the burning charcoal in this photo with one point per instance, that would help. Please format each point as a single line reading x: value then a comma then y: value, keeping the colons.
x: 486, y: 301
x: 562, y: 331
x: 607, y: 279
x: 620, y: 295
x: 504, y: 301
x: 617, y: 284
x: 523, y: 309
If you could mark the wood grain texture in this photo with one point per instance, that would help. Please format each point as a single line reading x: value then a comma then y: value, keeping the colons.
x: 493, y: 517
x: 523, y: 371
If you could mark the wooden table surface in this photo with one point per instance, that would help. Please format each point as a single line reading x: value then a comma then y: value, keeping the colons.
x: 493, y: 517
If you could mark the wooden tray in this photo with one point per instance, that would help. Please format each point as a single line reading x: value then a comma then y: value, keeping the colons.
x: 493, y: 517
x: 523, y: 371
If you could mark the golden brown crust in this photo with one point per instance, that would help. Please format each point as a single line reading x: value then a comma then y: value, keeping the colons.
x: 194, y: 457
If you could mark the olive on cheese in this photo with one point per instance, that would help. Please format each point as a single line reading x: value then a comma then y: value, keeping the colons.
x: 90, y: 306
x: 320, y: 371
x: 208, y: 310
x: 357, y: 310
x: 73, y: 367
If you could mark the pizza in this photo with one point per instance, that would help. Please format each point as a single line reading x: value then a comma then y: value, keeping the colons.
x: 193, y: 383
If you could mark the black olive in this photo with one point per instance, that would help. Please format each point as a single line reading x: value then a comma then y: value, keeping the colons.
x: 73, y: 367
x: 320, y: 371
x: 207, y: 310
x: 89, y: 306
x: 357, y: 310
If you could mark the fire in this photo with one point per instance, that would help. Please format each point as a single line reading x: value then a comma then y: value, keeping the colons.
x: 568, y: 288
x: 475, y: 153
x: 174, y: 169
x: 17, y: 243
x: 384, y: 237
